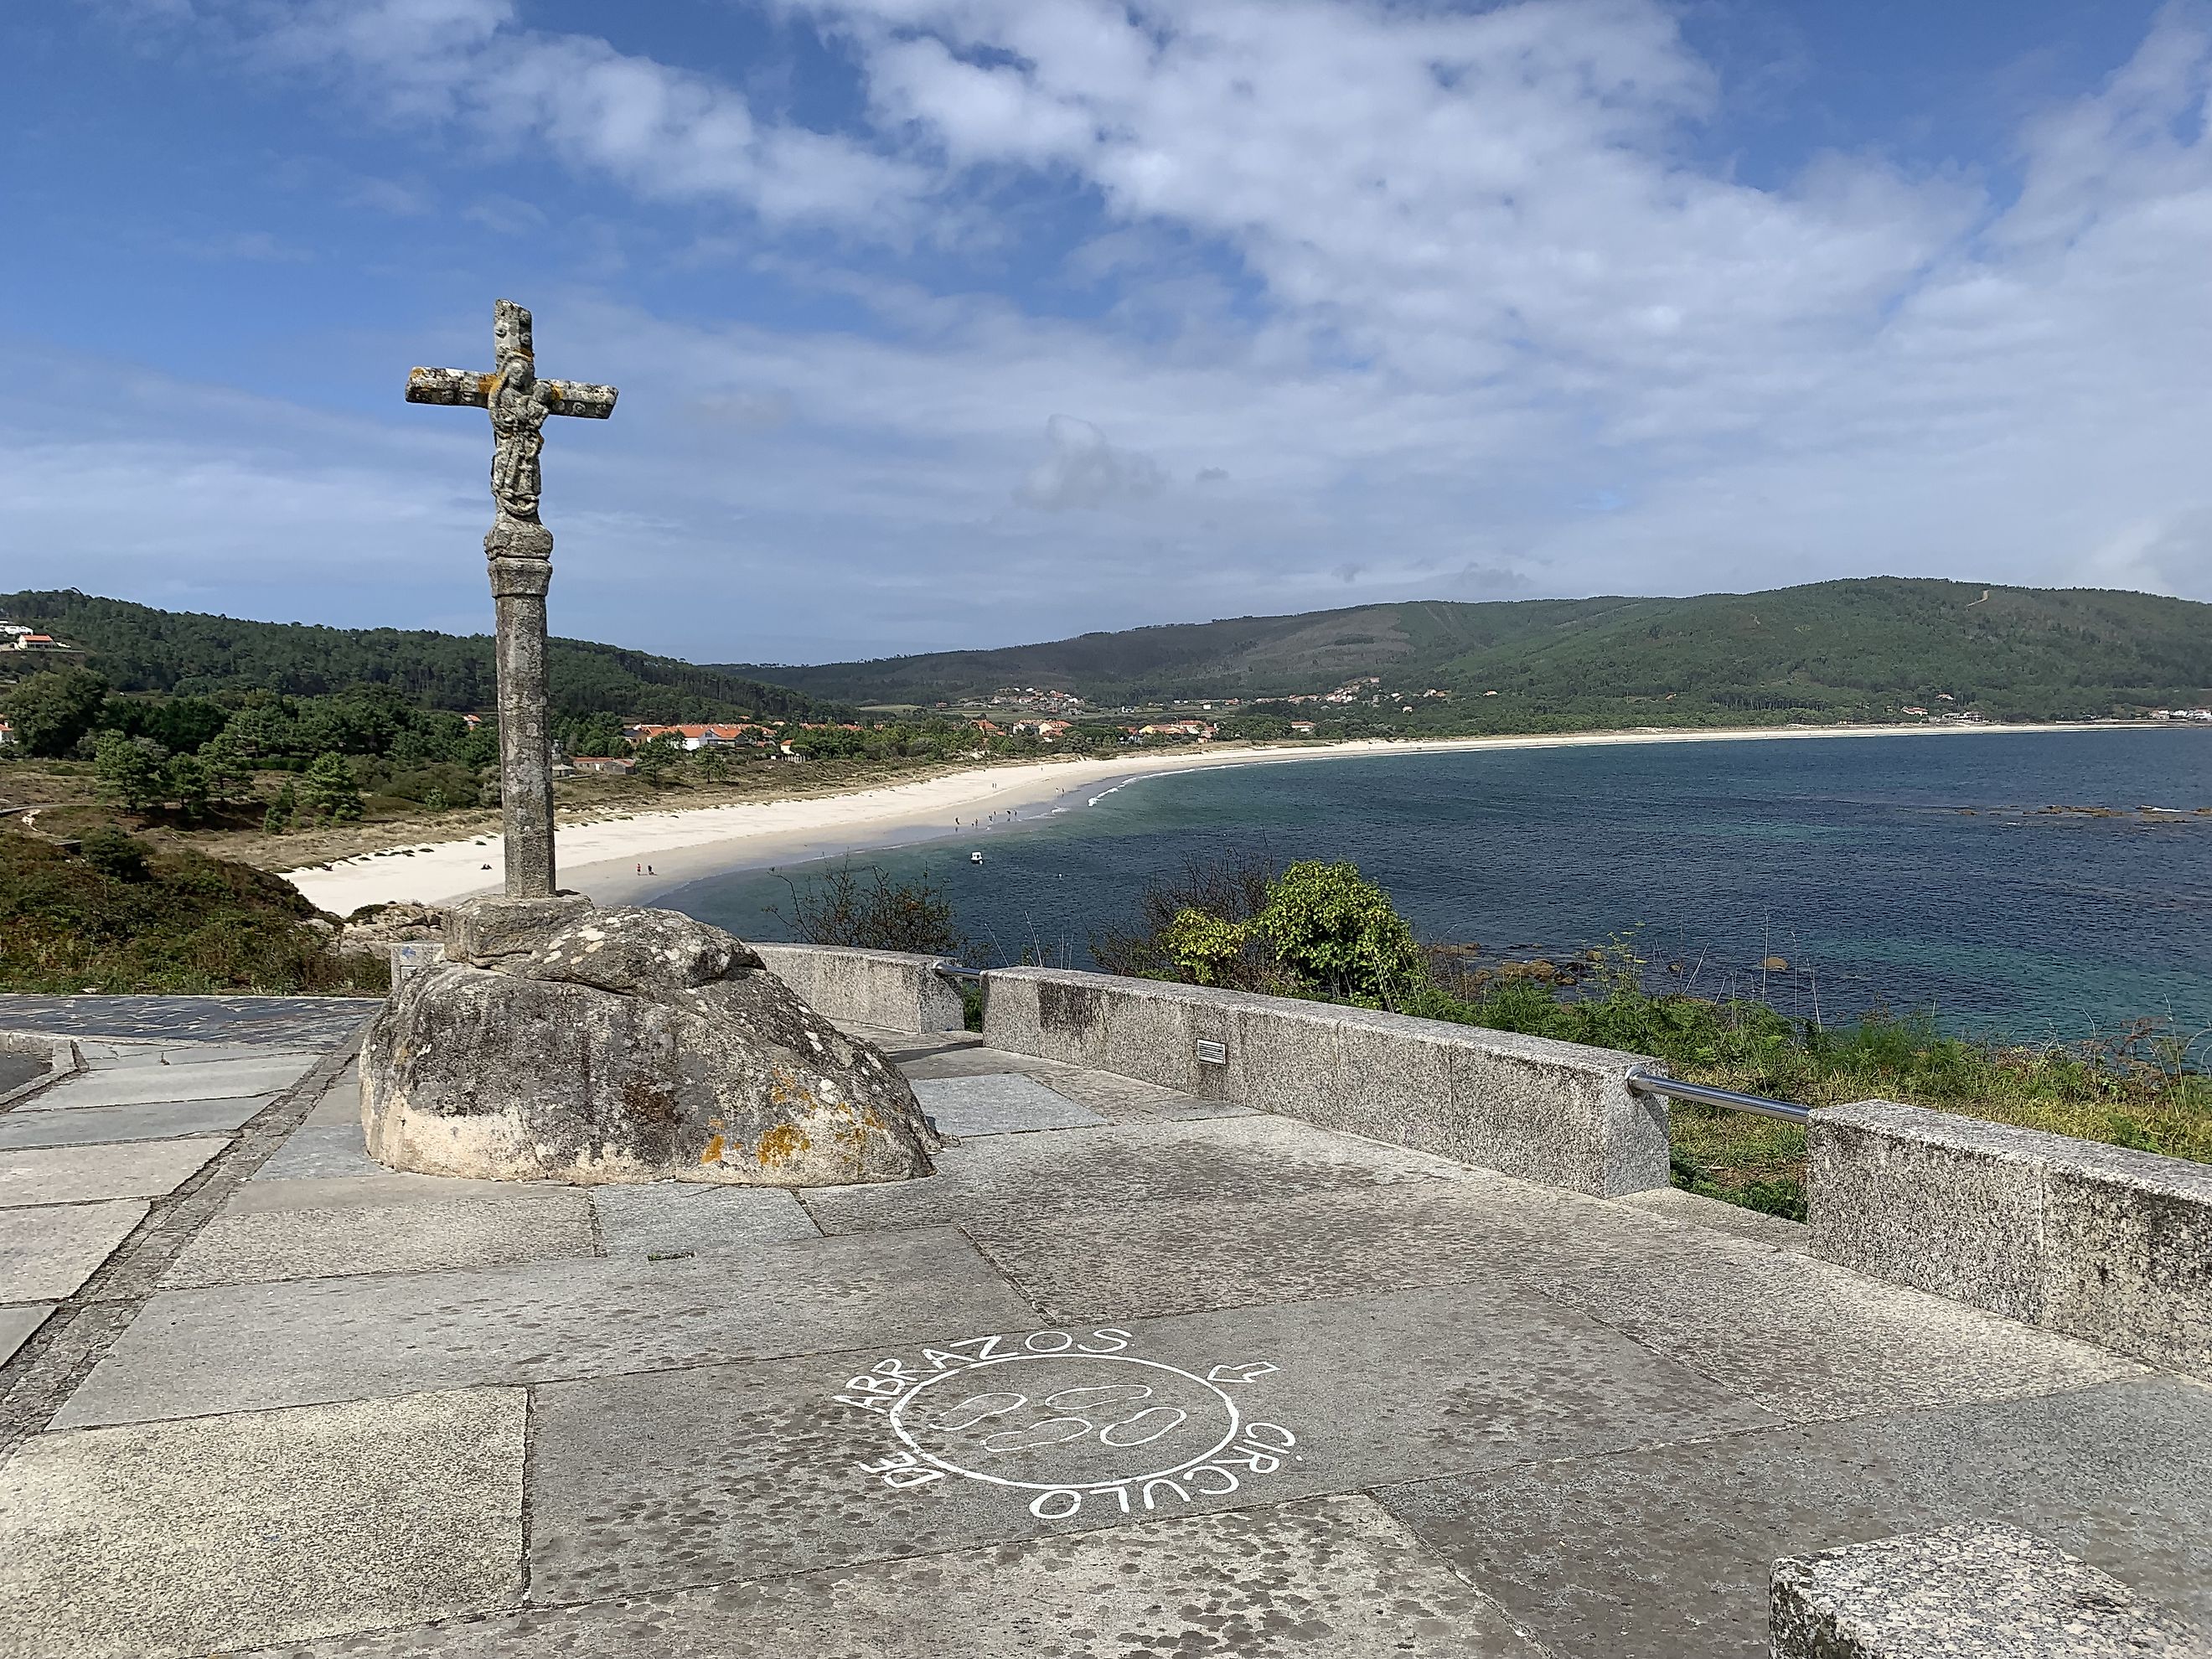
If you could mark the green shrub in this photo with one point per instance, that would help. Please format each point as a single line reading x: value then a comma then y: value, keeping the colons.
x: 1340, y: 935
x: 118, y: 917
x: 863, y: 908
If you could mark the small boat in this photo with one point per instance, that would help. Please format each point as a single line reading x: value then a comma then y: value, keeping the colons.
x: 975, y: 858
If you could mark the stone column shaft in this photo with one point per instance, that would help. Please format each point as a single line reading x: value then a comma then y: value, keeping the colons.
x: 518, y: 586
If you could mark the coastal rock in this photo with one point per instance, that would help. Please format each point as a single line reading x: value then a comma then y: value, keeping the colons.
x: 638, y: 953
x: 627, y: 1045
x: 374, y: 929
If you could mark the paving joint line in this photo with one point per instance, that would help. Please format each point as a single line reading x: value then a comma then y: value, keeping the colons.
x: 42, y: 1375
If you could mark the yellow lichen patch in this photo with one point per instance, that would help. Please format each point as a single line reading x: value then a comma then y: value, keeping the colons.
x: 782, y: 1144
x: 713, y: 1152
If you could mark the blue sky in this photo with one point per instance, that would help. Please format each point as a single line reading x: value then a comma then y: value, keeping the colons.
x: 966, y: 322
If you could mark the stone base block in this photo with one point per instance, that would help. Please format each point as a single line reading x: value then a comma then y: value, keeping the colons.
x: 1964, y: 1593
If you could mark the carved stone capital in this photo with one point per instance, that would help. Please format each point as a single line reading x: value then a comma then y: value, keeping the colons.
x: 521, y: 578
x: 511, y: 539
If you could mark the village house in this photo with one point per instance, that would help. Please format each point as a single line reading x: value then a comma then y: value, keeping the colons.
x: 703, y: 736
x: 1176, y: 729
x: 1304, y: 728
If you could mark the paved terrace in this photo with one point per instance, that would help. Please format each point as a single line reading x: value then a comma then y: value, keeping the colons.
x: 1134, y: 1374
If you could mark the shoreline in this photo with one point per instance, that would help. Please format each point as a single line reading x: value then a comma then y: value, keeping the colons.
x: 682, y: 845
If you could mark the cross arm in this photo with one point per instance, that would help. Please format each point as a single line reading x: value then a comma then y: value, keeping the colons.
x: 466, y: 387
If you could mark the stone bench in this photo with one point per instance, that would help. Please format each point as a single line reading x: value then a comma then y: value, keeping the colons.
x: 1557, y: 1112
x: 2099, y: 1243
x: 1991, y: 1592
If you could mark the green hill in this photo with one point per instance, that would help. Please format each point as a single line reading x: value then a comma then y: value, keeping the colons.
x: 1830, y: 650
x: 188, y: 653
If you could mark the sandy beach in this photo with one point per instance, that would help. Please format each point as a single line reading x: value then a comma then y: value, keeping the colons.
x: 630, y: 857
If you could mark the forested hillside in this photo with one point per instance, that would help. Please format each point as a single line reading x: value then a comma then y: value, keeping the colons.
x: 135, y: 647
x: 1832, y: 649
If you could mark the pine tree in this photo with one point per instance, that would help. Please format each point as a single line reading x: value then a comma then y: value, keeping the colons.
x: 128, y: 771
x: 328, y: 789
x: 282, y: 810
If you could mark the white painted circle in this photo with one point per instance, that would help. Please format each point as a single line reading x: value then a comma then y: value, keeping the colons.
x: 899, y: 1425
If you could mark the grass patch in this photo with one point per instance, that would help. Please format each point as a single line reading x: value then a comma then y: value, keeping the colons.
x: 2144, y: 1088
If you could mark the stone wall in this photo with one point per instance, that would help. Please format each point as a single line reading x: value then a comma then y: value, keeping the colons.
x: 895, y: 990
x: 2099, y: 1243
x: 1553, y: 1112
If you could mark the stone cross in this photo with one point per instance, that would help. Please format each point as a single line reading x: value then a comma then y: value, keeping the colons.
x: 520, y: 552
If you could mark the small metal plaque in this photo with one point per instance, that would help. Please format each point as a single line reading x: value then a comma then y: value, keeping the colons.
x: 1212, y: 1053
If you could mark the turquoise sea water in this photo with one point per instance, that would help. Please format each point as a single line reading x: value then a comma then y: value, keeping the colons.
x: 1902, y: 871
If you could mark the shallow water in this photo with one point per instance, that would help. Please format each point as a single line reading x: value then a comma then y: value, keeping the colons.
x: 1900, y: 872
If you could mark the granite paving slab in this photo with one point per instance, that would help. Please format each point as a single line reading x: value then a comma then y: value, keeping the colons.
x: 313, y: 1152
x: 1004, y: 1104
x: 1654, y: 1553
x: 94, y: 1125
x: 259, y: 1527
x: 102, y: 1055
x: 657, y: 1479
x: 1128, y: 1100
x: 966, y: 1060
x: 384, y: 1189
x: 145, y: 1086
x: 233, y: 1347
x: 78, y: 1174
x: 1810, y: 1338
x: 1678, y: 1205
x: 340, y: 1105
x: 668, y: 1217
x: 415, y: 1235
x: 309, y: 1022
x: 1000, y: 1177
x: 16, y: 1070
x: 1174, y: 1255
x: 48, y: 1253
x: 1333, y: 1578
x: 1804, y: 1337
x: 18, y: 1324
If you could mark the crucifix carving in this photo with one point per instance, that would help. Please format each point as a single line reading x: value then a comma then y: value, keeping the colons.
x: 519, y: 550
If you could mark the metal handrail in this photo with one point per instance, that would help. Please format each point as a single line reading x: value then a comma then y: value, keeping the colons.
x: 1705, y: 1095
x: 973, y: 975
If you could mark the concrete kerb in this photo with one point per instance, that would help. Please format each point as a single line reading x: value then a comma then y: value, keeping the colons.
x: 1558, y: 1113
x: 61, y: 1055
x: 892, y: 990
x: 2104, y: 1243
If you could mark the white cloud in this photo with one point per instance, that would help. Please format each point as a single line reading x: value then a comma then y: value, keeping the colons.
x: 1081, y: 469
x: 665, y: 132
x: 1424, y: 302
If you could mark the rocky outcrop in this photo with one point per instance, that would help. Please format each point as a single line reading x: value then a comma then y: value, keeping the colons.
x: 374, y: 929
x: 624, y: 1045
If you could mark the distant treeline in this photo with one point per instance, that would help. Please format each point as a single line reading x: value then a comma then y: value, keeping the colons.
x: 135, y: 647
x: 1841, y: 650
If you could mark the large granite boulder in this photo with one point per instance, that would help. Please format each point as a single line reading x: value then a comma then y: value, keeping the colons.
x: 568, y: 1044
